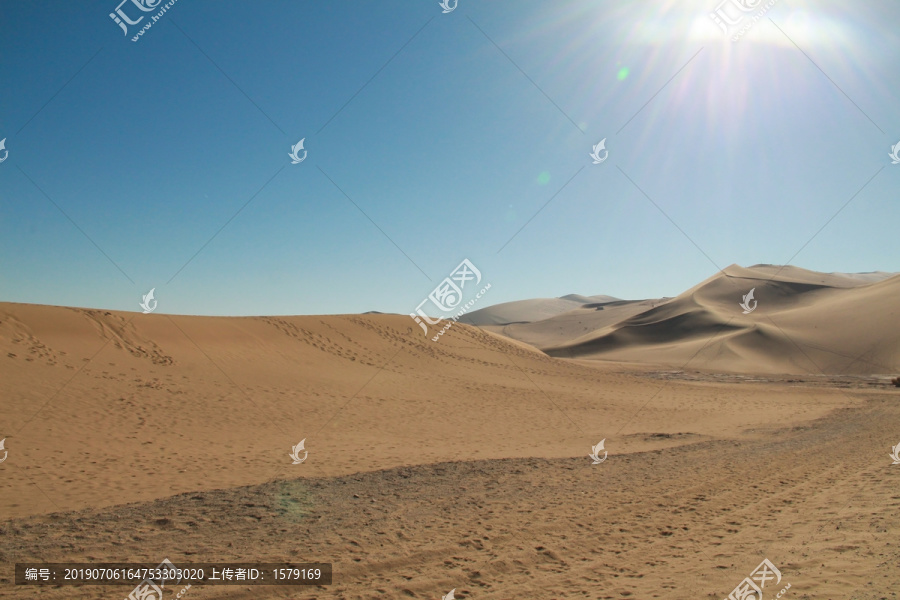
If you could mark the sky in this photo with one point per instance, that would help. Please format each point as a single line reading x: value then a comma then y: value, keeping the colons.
x: 431, y: 137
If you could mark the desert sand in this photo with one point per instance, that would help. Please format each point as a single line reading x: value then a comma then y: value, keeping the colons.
x: 463, y: 464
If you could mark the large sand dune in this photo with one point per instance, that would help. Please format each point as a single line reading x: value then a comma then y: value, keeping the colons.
x: 804, y: 322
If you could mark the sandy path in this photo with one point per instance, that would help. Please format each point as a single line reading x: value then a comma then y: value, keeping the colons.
x: 820, y: 501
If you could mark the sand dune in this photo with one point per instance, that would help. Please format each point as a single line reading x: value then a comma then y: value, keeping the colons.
x: 572, y: 324
x: 526, y: 311
x: 804, y: 322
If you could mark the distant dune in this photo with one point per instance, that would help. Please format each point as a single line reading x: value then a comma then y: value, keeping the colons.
x: 804, y: 322
x: 527, y: 311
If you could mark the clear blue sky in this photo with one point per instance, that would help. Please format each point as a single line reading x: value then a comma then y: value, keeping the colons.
x: 446, y: 141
